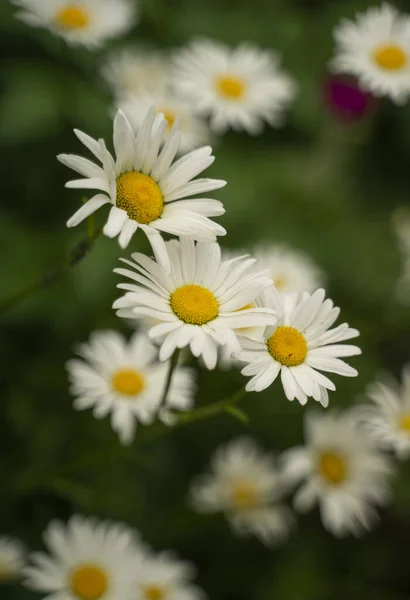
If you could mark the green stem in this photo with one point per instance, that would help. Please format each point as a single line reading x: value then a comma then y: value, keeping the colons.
x: 74, y: 257
x: 172, y: 367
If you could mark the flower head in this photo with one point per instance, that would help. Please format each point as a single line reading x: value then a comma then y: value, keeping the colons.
x: 83, y: 22
x: 244, y: 484
x: 299, y: 347
x: 346, y: 99
x: 376, y: 49
x: 12, y: 559
x: 196, y: 304
x: 341, y: 469
x: 240, y: 88
x: 125, y: 379
x: 145, y: 189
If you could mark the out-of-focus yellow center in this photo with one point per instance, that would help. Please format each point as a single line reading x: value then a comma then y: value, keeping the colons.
x: 73, y: 16
x: 230, y: 86
x: 128, y: 382
x: 169, y: 116
x: 88, y: 582
x: 404, y: 422
x: 194, y: 304
x: 6, y: 574
x: 390, y: 57
x: 154, y: 592
x: 245, y: 495
x: 288, y: 346
x: 280, y: 282
x: 140, y: 196
x: 332, y: 467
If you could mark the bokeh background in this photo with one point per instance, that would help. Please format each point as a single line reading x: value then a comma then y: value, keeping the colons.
x: 317, y: 184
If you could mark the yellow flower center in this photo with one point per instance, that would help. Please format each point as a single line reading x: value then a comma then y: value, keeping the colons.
x: 288, y: 346
x: 390, y: 57
x: 153, y: 592
x: 128, y: 382
x: 73, y: 16
x: 89, y: 582
x: 280, y: 282
x: 245, y: 495
x: 194, y: 304
x: 404, y: 422
x: 332, y: 467
x: 139, y: 196
x: 230, y: 87
x: 168, y: 116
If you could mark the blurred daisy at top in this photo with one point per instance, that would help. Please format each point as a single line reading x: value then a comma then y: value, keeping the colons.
x: 12, y: 559
x: 244, y: 484
x: 87, y: 559
x: 145, y: 188
x: 165, y: 577
x: 134, y: 70
x: 83, y: 22
x: 239, y: 88
x: 197, y: 304
x: 193, y: 129
x: 387, y: 418
x: 341, y: 469
x: 290, y: 270
x: 124, y: 378
x: 375, y: 48
x: 299, y: 347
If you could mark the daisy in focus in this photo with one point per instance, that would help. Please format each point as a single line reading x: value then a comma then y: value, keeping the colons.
x: 12, y: 559
x: 126, y: 380
x: 387, y: 419
x: 197, y: 303
x: 146, y: 189
x: 135, y: 71
x: 87, y: 559
x: 376, y: 49
x: 291, y: 270
x: 239, y: 88
x: 244, y: 484
x: 83, y: 22
x: 164, y: 577
x: 193, y: 129
x: 299, y: 347
x: 341, y: 469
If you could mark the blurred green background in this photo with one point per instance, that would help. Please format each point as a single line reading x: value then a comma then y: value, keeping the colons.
x: 316, y: 184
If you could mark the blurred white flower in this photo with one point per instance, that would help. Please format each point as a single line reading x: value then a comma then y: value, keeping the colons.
x: 135, y: 70
x: 195, y: 304
x: 291, y: 270
x: 239, y: 88
x: 387, y: 419
x: 193, y: 129
x: 164, y: 577
x: 299, y: 346
x: 145, y: 189
x: 342, y: 470
x: 12, y: 559
x: 125, y: 379
x: 376, y: 49
x: 88, y: 560
x: 244, y: 484
x: 83, y: 22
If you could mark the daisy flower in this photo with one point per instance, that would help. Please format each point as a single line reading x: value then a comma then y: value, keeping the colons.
x: 12, y: 559
x: 376, y: 49
x: 197, y: 303
x: 87, y: 560
x: 290, y: 270
x: 194, y: 132
x: 299, y: 346
x: 145, y: 189
x: 387, y: 419
x: 244, y: 484
x: 125, y: 379
x: 83, y: 22
x: 239, y: 88
x: 134, y: 71
x: 164, y: 577
x: 341, y: 469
